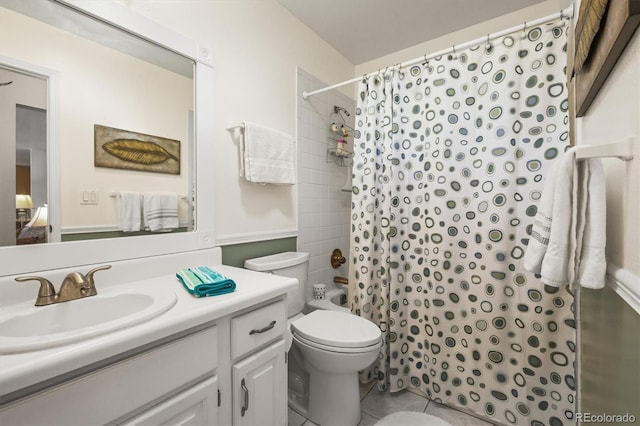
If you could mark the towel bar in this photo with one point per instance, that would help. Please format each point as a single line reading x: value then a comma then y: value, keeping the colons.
x: 117, y: 195
x: 622, y: 150
x: 233, y: 126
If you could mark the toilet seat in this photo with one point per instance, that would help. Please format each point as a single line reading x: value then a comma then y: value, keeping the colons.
x: 336, y: 349
x: 337, y: 331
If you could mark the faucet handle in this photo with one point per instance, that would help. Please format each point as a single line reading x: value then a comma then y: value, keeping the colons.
x: 89, y: 278
x: 46, y: 294
x: 337, y: 259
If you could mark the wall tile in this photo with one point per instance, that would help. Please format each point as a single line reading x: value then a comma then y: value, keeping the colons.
x: 323, y: 210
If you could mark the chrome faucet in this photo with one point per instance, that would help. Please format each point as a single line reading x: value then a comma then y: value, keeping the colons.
x: 74, y: 286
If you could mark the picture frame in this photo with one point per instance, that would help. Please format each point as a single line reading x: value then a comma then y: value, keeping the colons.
x: 125, y: 149
x: 618, y: 25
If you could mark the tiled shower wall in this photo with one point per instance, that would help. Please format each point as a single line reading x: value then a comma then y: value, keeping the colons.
x: 323, y: 208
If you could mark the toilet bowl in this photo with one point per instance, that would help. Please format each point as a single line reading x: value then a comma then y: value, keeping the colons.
x: 328, y: 348
x: 335, y: 346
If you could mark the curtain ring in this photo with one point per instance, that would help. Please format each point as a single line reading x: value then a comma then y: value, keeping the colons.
x: 524, y: 28
x: 561, y: 14
x: 488, y: 40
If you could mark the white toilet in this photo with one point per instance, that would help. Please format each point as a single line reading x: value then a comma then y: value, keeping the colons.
x: 330, y: 346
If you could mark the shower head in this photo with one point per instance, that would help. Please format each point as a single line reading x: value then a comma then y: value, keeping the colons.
x: 337, y: 109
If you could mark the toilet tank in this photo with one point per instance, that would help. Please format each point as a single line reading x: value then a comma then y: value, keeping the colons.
x: 289, y: 264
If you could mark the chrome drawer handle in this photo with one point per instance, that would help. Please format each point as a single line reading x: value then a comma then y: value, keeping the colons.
x: 245, y: 404
x: 262, y: 330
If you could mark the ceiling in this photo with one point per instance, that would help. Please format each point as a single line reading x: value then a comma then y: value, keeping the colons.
x: 363, y: 30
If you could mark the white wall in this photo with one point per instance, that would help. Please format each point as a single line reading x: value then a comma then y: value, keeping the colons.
x: 323, y: 209
x: 614, y: 115
x: 609, y: 377
x: 99, y: 85
x: 500, y: 23
x: 257, y: 45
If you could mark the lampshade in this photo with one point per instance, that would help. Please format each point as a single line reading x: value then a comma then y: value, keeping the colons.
x: 39, y: 218
x: 24, y: 201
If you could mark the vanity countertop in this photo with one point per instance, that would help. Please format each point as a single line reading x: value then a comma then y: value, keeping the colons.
x: 18, y: 371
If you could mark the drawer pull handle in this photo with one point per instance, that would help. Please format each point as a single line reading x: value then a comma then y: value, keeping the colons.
x: 262, y: 330
x: 245, y: 403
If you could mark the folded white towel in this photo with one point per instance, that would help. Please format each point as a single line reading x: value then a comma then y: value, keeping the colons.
x: 561, y: 249
x: 568, y: 236
x: 592, y: 267
x: 129, y: 213
x: 161, y: 211
x: 268, y: 156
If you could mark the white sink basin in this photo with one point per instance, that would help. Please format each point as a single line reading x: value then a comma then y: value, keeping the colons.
x: 27, y: 328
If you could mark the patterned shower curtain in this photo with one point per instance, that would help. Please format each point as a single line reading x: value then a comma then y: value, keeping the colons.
x: 450, y: 157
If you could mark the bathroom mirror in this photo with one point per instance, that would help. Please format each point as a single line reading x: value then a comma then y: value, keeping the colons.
x: 106, y: 67
x: 109, y: 80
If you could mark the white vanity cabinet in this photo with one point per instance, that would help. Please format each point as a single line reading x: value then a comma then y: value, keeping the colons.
x: 259, y: 371
x: 204, y: 375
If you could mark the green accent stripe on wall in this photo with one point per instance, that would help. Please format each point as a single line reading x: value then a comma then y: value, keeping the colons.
x: 609, y: 346
x: 236, y: 254
x: 112, y: 234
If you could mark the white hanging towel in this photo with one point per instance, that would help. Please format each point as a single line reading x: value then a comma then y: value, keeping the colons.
x: 129, y: 213
x: 160, y: 211
x: 592, y: 266
x: 268, y: 156
x: 568, y: 236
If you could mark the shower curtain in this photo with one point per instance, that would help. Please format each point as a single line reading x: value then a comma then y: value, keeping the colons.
x: 450, y: 157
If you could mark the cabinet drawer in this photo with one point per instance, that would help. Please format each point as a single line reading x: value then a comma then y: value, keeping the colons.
x: 258, y: 327
x: 106, y: 394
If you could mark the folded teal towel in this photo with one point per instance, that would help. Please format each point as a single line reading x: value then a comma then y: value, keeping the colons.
x: 203, y: 281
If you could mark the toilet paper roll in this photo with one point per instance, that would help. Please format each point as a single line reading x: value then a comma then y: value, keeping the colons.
x: 318, y: 291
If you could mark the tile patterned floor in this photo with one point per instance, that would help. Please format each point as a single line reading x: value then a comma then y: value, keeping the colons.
x: 376, y: 404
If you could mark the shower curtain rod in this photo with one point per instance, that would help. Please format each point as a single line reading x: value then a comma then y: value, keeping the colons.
x: 566, y: 13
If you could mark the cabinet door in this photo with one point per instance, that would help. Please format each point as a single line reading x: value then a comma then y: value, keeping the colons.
x: 259, y: 388
x: 196, y: 406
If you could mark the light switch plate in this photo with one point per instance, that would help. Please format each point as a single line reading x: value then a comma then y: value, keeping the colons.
x: 89, y: 197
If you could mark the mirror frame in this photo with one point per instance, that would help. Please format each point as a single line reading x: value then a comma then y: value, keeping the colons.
x: 16, y: 260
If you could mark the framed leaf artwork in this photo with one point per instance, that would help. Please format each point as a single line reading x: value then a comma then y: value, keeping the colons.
x: 124, y: 149
x: 603, y: 29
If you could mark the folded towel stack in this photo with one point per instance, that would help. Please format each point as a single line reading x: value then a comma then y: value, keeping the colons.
x: 203, y: 281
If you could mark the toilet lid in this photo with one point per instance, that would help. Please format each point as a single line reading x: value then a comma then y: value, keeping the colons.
x: 338, y: 329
